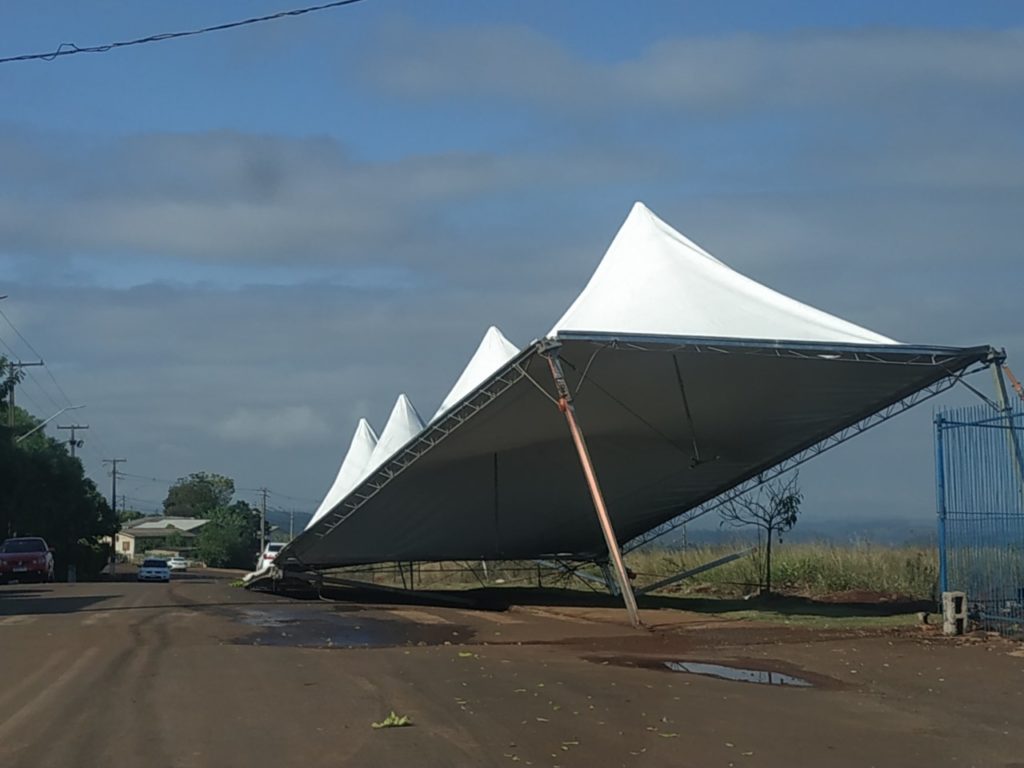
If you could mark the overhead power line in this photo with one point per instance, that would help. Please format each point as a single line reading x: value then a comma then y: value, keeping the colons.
x: 69, y: 49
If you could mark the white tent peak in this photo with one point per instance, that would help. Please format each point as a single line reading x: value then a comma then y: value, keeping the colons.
x: 403, y: 425
x: 655, y: 281
x: 352, y: 471
x: 492, y: 353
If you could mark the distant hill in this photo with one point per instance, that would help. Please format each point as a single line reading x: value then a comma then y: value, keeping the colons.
x: 883, y: 531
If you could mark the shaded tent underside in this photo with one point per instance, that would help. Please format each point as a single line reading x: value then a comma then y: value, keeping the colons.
x: 670, y: 422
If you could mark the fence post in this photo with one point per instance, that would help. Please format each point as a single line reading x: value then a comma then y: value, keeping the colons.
x: 940, y: 503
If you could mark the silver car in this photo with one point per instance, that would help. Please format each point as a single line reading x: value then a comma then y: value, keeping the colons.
x: 154, y: 570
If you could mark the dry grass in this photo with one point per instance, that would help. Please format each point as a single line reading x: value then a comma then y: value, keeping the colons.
x: 812, y: 569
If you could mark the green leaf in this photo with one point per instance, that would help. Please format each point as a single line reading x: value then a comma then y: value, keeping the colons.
x: 393, y: 721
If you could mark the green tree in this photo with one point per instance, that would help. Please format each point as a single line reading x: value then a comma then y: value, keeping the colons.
x: 44, y: 492
x: 773, y: 508
x: 231, y: 537
x: 198, y: 495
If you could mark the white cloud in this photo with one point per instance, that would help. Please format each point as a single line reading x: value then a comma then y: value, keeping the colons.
x: 738, y: 72
x: 246, y: 198
x: 282, y: 426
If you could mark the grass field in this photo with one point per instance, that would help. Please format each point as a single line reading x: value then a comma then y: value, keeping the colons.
x: 807, y: 569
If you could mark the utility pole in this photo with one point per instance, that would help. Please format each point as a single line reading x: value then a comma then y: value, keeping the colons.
x: 113, y: 506
x: 291, y: 524
x: 15, y: 367
x: 72, y: 442
x: 263, y: 521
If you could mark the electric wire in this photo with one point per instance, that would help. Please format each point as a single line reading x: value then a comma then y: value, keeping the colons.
x: 70, y: 49
x: 38, y: 355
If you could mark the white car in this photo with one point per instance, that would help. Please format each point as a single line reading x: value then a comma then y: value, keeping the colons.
x: 178, y: 564
x: 267, y: 558
x: 154, y: 570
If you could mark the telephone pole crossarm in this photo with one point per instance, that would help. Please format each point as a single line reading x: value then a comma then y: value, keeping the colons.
x: 72, y: 442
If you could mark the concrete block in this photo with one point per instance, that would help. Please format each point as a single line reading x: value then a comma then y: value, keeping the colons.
x: 954, y: 613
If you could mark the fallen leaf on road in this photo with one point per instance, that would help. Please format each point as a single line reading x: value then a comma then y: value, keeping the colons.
x: 392, y: 721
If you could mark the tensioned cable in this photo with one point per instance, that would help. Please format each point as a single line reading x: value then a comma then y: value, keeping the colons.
x: 686, y: 407
x: 28, y: 375
x: 37, y: 354
x: 632, y: 412
x: 538, y: 386
x: 69, y: 49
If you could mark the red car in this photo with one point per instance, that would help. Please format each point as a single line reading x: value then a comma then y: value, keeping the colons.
x: 25, y: 559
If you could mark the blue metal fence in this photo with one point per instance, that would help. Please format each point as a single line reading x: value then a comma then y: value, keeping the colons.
x: 979, y: 469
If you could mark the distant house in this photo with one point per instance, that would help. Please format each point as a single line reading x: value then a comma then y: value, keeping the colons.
x: 148, y: 533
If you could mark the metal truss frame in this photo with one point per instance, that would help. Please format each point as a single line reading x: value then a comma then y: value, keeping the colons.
x: 431, y: 437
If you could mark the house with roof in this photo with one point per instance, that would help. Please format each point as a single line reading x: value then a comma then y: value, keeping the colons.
x: 176, y: 534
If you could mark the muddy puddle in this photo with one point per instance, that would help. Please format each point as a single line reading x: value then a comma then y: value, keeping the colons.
x: 342, y: 629
x: 738, y: 674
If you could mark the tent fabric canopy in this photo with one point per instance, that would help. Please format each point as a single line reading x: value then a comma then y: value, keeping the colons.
x: 403, y: 425
x: 492, y: 353
x: 353, y: 469
x: 498, y: 478
x: 688, y: 379
x: 653, y: 280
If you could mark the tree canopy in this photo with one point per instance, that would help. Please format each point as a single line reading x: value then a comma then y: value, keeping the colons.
x: 198, y: 495
x: 44, y: 492
x: 231, y: 537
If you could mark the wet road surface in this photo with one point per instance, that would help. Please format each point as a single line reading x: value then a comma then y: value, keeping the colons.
x: 197, y: 673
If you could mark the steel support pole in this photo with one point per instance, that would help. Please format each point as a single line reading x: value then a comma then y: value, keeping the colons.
x: 565, y: 405
x: 940, y: 505
x: 669, y: 580
x: 1011, y: 437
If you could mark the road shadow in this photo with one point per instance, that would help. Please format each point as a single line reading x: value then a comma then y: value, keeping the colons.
x: 27, y: 603
x: 503, y: 598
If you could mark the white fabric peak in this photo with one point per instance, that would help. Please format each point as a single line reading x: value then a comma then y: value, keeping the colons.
x: 352, y: 471
x: 653, y: 280
x: 403, y: 425
x: 494, y: 351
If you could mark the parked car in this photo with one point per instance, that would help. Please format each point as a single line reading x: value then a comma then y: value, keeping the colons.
x: 153, y: 569
x: 25, y: 559
x: 268, y: 554
x: 178, y: 564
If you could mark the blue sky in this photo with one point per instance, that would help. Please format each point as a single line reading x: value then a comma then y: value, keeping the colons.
x: 233, y: 246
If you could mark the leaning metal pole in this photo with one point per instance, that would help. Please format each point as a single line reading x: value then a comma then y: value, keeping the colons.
x: 1017, y: 456
x: 565, y: 405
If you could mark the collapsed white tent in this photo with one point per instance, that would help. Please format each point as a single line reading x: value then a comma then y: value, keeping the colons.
x: 654, y: 281
x: 492, y: 353
x: 688, y: 379
x: 403, y: 425
x: 353, y: 469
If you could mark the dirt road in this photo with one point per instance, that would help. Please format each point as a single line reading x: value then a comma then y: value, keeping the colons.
x: 197, y: 673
